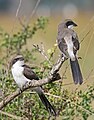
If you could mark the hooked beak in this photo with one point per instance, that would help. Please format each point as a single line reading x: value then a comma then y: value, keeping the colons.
x: 74, y: 24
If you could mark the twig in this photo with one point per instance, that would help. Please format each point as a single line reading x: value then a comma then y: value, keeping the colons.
x: 42, y: 52
x: 55, y: 47
x: 85, y: 36
x: 87, y: 49
x: 21, y: 23
x: 16, y: 15
x: 30, y: 17
x: 89, y: 23
x: 46, y: 94
x: 33, y: 12
x: 18, y: 9
x: 88, y: 75
x: 71, y: 83
x: 55, y: 96
x: 52, y: 76
x: 11, y: 116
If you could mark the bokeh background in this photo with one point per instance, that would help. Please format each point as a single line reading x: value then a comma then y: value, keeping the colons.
x: 81, y: 11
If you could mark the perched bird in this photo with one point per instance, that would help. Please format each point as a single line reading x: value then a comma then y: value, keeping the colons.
x: 68, y: 44
x: 23, y: 74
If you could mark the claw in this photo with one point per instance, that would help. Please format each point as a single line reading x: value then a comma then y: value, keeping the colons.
x: 19, y: 90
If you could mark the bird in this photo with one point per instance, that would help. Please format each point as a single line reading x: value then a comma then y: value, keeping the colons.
x: 22, y: 74
x: 68, y: 43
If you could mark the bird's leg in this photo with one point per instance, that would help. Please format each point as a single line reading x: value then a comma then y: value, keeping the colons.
x: 19, y: 90
x: 24, y: 86
x: 79, y: 57
x: 63, y: 55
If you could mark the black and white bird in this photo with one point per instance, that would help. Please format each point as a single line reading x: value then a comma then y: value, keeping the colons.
x: 23, y: 74
x: 68, y: 43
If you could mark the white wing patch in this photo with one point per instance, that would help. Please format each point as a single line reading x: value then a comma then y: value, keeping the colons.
x: 70, y: 46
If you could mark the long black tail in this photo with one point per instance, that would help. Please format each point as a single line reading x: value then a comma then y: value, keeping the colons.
x: 45, y: 101
x: 76, y: 72
x: 47, y: 104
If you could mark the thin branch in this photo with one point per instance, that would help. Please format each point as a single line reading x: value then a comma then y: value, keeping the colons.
x: 52, y: 76
x: 16, y: 15
x: 11, y: 116
x: 31, y: 16
x: 89, y: 112
x: 84, y: 58
x: 89, y: 23
x: 18, y: 9
x: 87, y: 78
x: 42, y: 52
x: 55, y: 96
x: 33, y: 12
x: 85, y: 36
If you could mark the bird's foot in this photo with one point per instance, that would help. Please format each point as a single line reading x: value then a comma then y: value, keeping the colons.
x: 19, y: 90
x: 64, y: 55
x: 79, y: 57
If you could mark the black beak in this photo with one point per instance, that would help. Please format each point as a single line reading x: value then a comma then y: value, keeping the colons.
x: 74, y: 24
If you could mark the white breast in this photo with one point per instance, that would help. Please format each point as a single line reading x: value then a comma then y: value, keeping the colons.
x: 17, y: 72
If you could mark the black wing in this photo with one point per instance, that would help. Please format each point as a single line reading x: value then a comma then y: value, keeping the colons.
x: 29, y: 73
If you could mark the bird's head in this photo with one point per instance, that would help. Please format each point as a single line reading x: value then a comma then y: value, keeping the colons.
x: 69, y: 23
x: 17, y: 61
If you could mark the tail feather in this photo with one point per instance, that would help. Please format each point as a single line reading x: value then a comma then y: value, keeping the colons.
x: 47, y: 104
x: 76, y: 72
x: 45, y: 101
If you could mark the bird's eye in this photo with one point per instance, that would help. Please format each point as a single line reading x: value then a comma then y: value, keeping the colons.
x: 16, y: 59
